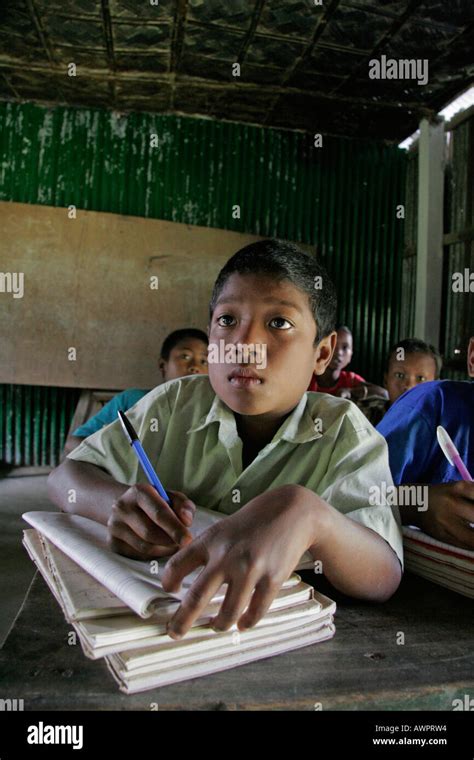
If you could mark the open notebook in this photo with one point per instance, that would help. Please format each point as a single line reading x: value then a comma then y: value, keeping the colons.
x: 436, y: 561
x: 123, y: 619
x: 136, y: 583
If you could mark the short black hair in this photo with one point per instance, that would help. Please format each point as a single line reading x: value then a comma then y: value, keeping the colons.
x: 285, y: 261
x: 416, y: 346
x: 341, y: 327
x: 176, y: 336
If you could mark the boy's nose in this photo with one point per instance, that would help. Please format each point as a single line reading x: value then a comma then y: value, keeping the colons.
x: 249, y: 333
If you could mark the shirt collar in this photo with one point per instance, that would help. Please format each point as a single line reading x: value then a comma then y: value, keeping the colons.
x: 299, y: 426
x: 218, y: 412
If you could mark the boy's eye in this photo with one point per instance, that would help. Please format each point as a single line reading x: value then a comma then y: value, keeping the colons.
x: 421, y: 379
x: 280, y: 326
x: 399, y: 375
x: 225, y: 320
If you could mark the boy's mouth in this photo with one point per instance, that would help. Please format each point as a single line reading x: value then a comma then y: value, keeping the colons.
x: 244, y: 378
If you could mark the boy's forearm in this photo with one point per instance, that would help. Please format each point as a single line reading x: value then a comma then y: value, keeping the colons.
x: 355, y: 559
x: 84, y: 489
x: 368, y: 389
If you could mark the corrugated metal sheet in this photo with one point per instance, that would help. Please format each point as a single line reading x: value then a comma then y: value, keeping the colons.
x: 341, y: 198
x: 34, y: 422
x: 407, y: 316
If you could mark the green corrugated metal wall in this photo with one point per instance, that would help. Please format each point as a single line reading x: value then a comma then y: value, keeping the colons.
x: 341, y: 198
x: 34, y: 422
x: 408, y: 298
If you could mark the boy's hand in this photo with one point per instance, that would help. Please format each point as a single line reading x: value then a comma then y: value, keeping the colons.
x: 450, y: 510
x: 143, y: 526
x: 254, y: 551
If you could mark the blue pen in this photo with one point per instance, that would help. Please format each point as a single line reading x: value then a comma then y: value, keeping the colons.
x: 147, y: 466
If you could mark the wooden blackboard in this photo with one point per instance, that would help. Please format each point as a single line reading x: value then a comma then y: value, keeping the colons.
x: 87, y: 287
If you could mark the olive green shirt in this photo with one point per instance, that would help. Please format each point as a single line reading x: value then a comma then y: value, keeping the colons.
x: 190, y: 436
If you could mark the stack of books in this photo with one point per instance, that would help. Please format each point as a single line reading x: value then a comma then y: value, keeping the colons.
x: 119, y: 609
x: 436, y: 561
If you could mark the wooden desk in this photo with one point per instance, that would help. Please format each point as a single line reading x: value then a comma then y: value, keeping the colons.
x: 362, y: 668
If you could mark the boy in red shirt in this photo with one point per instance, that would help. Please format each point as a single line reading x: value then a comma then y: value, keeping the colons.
x: 337, y: 381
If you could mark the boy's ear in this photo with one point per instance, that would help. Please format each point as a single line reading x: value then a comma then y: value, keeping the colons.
x: 324, y: 352
x: 162, y: 366
x: 470, y: 358
x: 385, y: 378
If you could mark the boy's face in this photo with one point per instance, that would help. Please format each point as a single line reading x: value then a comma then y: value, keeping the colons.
x: 343, y: 353
x: 187, y: 357
x: 404, y: 374
x: 277, y: 319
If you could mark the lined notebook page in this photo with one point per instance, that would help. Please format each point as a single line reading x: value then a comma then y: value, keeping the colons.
x: 85, y: 542
x: 132, y: 581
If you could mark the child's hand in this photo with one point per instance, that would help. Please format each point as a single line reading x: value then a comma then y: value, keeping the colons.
x: 142, y: 525
x: 254, y: 550
x: 450, y: 510
x: 344, y: 393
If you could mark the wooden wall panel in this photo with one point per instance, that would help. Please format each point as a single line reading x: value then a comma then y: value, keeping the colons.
x: 87, y: 286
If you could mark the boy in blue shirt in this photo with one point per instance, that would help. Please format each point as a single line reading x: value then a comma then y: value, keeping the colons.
x: 409, y: 428
x: 292, y: 470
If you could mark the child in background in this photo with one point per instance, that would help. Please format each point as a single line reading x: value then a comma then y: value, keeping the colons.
x: 337, y: 381
x: 184, y: 352
x: 416, y: 457
x: 409, y: 363
x: 291, y: 470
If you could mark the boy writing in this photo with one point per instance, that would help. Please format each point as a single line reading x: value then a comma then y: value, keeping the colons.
x: 291, y: 470
x: 416, y: 457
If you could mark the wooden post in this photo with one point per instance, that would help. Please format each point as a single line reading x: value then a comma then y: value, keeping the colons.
x: 429, y: 268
